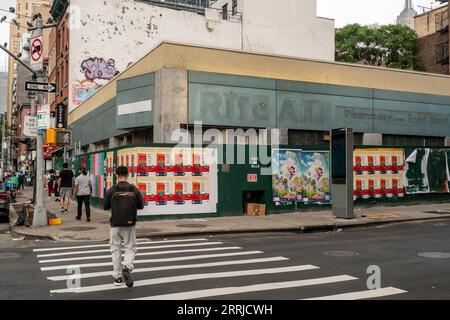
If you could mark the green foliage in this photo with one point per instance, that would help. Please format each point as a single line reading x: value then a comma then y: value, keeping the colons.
x: 392, y: 46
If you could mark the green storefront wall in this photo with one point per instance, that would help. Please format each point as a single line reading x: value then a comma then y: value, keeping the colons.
x: 233, y: 186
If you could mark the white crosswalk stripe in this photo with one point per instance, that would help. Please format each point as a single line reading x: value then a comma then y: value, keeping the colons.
x: 107, y: 245
x: 253, y: 288
x: 222, y: 261
x: 140, y: 248
x: 366, y: 294
x: 140, y: 254
x: 149, y: 282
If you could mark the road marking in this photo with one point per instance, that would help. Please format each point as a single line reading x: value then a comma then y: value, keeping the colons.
x: 204, y: 256
x: 367, y: 294
x: 175, y: 267
x: 108, y: 256
x: 107, y: 245
x: 139, y: 248
x: 149, y: 282
x: 197, y: 294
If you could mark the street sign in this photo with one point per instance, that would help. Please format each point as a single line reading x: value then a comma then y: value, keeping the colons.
x: 43, y: 116
x: 40, y: 86
x: 63, y: 137
x: 30, y: 128
x: 36, y: 53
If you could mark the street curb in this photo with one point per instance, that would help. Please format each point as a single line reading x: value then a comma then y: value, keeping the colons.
x: 298, y: 229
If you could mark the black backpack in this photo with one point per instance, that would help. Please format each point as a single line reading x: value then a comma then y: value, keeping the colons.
x: 123, y: 209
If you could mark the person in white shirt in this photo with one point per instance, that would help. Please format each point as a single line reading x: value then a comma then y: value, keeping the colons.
x: 83, y: 191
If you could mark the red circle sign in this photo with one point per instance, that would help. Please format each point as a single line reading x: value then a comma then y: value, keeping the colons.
x: 36, y: 49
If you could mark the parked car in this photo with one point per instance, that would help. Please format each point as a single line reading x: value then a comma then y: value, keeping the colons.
x: 4, y: 203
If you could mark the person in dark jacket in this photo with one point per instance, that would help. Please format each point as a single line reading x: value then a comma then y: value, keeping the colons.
x: 122, y: 237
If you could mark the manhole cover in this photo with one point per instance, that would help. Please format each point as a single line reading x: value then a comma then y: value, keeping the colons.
x: 147, y: 230
x: 79, y: 229
x: 9, y: 255
x: 434, y: 255
x: 192, y: 225
x: 341, y: 253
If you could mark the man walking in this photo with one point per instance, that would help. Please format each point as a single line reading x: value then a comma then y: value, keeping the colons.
x: 124, y: 200
x: 21, y: 180
x: 65, y: 187
x: 83, y: 191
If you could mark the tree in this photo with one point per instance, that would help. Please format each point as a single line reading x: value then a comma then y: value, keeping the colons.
x: 392, y: 46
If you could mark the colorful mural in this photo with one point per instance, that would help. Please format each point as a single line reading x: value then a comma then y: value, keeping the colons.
x: 98, y: 68
x: 301, y: 176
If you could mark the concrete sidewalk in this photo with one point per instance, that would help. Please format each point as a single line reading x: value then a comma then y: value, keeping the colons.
x: 98, y: 228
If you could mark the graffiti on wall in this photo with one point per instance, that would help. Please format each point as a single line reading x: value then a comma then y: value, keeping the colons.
x: 82, y: 90
x: 98, y: 68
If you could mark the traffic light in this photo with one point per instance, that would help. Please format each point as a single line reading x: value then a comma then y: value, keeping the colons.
x: 57, y: 136
x: 50, y: 136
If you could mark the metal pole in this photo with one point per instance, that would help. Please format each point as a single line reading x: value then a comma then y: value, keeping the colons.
x: 40, y: 213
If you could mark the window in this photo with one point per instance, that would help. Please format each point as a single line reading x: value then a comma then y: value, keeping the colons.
x: 225, y: 12
x: 19, y: 7
x: 234, y: 7
x: 442, y: 53
x: 26, y: 6
x: 442, y: 21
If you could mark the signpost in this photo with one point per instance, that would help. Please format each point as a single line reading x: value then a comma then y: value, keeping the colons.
x: 30, y: 127
x: 43, y: 116
x: 36, y: 53
x: 40, y: 86
x: 342, y: 172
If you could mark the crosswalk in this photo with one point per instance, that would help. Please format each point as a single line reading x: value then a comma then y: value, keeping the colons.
x: 197, y: 268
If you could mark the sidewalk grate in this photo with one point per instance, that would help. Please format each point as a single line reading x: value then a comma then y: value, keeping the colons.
x: 437, y: 212
x: 192, y: 225
x: 79, y: 228
x: 149, y: 230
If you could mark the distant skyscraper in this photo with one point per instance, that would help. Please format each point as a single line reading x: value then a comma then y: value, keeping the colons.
x: 406, y: 18
x: 3, y: 91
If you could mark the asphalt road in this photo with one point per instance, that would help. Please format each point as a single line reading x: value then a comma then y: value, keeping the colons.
x: 244, y: 266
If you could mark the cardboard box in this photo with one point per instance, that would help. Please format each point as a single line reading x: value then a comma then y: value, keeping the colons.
x: 255, y: 209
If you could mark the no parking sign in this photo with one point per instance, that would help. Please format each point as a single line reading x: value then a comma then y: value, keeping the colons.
x: 36, y: 50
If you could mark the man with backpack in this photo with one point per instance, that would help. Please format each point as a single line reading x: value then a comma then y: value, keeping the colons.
x: 124, y: 200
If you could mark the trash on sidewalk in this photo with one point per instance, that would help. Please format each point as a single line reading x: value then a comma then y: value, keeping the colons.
x: 53, y: 219
x: 255, y: 209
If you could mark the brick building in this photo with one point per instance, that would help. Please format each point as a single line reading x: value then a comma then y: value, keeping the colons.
x: 433, y: 38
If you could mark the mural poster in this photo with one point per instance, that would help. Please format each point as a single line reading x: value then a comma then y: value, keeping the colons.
x: 96, y: 174
x: 301, y: 176
x: 378, y: 173
x: 176, y: 180
x: 109, y: 169
x: 426, y: 171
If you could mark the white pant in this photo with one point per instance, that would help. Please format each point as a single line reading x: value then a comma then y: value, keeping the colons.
x: 122, y: 238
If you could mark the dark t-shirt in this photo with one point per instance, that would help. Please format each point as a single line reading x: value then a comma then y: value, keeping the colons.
x: 66, y: 178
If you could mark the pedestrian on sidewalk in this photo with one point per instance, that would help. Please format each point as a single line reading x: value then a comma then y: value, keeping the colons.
x: 21, y: 180
x: 65, y: 187
x: 50, y: 182
x: 83, y: 191
x: 124, y: 199
x: 56, y: 186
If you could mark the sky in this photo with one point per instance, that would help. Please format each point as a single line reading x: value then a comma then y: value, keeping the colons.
x: 343, y: 11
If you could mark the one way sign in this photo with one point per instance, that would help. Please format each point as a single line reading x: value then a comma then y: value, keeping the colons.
x: 40, y: 86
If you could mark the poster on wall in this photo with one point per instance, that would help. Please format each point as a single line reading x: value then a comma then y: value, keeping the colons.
x: 176, y: 180
x: 301, y: 176
x: 109, y: 169
x: 129, y: 158
x: 378, y: 173
x: 427, y: 171
x: 97, y: 174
